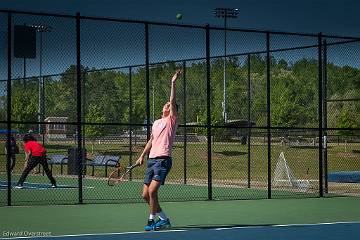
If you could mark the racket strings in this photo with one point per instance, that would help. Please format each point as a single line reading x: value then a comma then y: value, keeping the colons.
x: 120, y: 174
x: 116, y: 176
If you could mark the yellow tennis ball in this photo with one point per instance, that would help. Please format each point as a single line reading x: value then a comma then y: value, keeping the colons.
x: 178, y: 16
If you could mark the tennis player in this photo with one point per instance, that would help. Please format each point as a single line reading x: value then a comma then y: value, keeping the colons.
x: 159, y: 148
x: 14, y: 149
x: 35, y: 154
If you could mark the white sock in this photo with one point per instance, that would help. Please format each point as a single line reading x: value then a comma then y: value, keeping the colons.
x: 152, y: 216
x: 162, y: 215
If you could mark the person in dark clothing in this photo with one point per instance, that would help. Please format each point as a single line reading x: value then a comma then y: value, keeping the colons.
x: 14, y: 149
x: 35, y: 154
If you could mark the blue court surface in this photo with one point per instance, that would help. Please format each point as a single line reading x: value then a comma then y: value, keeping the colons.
x: 344, y: 177
x: 329, y: 231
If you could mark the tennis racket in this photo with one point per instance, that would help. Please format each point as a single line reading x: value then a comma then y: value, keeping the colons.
x: 119, y: 175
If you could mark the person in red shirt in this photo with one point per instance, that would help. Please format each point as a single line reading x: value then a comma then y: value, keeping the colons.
x: 35, y: 154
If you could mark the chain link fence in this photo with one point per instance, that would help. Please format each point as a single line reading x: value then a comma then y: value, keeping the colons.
x: 261, y: 114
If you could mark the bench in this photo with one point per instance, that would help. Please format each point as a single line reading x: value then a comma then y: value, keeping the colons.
x: 103, y: 161
x: 57, y: 159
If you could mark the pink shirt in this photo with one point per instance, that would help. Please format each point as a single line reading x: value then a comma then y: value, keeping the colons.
x: 163, y: 132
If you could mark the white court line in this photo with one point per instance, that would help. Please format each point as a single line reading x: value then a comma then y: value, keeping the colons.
x: 185, y: 230
x: 285, y: 225
x: 30, y: 185
x: 25, y: 187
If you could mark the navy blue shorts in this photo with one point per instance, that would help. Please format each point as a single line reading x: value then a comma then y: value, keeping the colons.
x: 157, y: 169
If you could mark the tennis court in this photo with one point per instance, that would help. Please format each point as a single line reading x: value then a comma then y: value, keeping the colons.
x: 295, y: 231
x: 315, y: 218
x: 37, y: 190
x: 263, y: 130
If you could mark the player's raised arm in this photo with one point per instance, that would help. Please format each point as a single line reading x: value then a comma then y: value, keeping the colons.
x: 173, y: 110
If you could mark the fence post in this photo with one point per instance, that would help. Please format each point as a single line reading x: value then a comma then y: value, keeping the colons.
x: 249, y: 118
x: 185, y: 120
x: 208, y: 94
x: 325, y: 115
x: 79, y: 107
x: 320, y: 113
x: 268, y: 110
x: 130, y: 120
x: 147, y: 81
x: 8, y: 122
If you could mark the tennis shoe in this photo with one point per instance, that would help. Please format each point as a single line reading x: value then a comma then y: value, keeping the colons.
x: 18, y: 187
x: 162, y: 224
x: 150, y: 225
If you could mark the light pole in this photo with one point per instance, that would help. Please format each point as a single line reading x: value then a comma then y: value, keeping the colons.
x: 41, y: 29
x: 225, y: 13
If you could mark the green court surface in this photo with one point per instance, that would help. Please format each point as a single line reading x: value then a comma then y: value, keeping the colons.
x: 96, y: 190
x: 117, y: 218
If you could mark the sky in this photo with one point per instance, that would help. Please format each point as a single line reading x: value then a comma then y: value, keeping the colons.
x: 123, y: 44
x: 327, y: 16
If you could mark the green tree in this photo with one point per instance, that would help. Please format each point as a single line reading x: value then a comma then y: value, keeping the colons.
x: 94, y: 115
x: 346, y: 120
x: 24, y: 103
